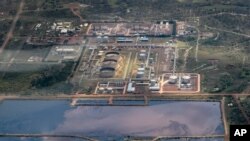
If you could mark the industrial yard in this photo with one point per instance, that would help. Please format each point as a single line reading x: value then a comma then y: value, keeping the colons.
x: 134, y: 61
x: 162, y: 28
x: 113, y: 58
x: 125, y: 69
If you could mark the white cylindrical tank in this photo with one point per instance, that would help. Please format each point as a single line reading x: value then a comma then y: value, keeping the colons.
x: 109, y: 90
x: 142, y: 56
x: 140, y: 75
x: 185, y: 79
x: 105, y: 39
x: 153, y: 82
x: 99, y: 38
x: 101, y: 89
x: 173, y: 79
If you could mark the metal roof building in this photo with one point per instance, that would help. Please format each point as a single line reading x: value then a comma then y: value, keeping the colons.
x: 123, y: 40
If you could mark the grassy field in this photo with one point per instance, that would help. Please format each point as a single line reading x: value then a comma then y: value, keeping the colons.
x: 4, y: 28
x: 22, y: 78
x: 245, y: 102
x: 217, y: 62
x: 234, y: 115
x: 137, y: 9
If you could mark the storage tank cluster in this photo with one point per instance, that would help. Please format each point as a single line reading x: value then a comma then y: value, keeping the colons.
x: 184, y: 81
x: 109, y: 64
x: 102, y: 39
x: 105, y: 90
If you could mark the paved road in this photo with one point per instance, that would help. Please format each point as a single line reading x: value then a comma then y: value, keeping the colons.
x: 48, y: 136
x: 187, y: 137
x: 164, y: 95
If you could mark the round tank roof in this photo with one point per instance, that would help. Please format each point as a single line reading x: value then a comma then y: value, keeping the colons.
x: 112, y: 53
x: 101, y: 88
x: 109, y: 88
x: 173, y: 77
x: 114, y: 59
x: 186, y: 77
x: 107, y: 72
x: 107, y: 69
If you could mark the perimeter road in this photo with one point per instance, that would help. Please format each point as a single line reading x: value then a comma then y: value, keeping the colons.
x: 47, y: 135
x: 186, y: 137
x: 64, y: 96
x: 224, y: 118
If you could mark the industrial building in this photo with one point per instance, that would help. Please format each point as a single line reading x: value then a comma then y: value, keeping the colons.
x: 161, y: 28
x: 124, y: 40
x: 144, y: 39
x: 131, y: 87
x: 64, y: 53
x: 148, y: 85
x: 110, y: 87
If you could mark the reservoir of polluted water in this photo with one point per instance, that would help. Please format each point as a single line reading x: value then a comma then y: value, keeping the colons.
x: 161, y: 118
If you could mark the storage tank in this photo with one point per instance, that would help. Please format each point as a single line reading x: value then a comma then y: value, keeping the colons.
x: 142, y: 56
x: 140, y: 75
x: 153, y: 82
x: 105, y: 39
x: 109, y: 90
x: 189, y: 85
x: 99, y: 39
x: 140, y: 69
x: 101, y: 89
x: 185, y: 79
x: 173, y: 79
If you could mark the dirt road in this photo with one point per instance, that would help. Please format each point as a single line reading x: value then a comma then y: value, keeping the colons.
x: 224, y: 119
x: 228, y: 31
x: 75, y: 9
x: 197, y: 44
x: 186, y: 54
